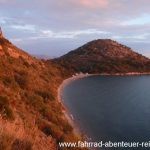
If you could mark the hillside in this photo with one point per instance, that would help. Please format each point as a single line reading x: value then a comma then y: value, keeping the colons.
x: 30, y: 113
x: 104, y: 56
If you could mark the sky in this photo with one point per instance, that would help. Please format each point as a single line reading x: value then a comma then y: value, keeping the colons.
x: 54, y: 27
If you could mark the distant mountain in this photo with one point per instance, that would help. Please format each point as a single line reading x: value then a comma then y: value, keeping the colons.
x: 104, y: 56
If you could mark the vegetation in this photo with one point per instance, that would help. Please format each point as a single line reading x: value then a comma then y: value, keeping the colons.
x: 21, y: 145
x: 5, y: 109
x: 21, y: 78
x: 46, y: 95
x: 5, y: 141
x: 104, y: 56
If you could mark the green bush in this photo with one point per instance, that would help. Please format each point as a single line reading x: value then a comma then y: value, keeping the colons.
x: 5, y: 109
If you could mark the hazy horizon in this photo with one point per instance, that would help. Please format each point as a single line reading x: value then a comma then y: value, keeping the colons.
x: 53, y: 28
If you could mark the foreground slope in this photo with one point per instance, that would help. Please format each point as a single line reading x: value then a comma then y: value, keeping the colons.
x: 104, y: 56
x: 31, y: 117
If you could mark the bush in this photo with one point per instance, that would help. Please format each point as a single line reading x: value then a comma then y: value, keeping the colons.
x: 5, y: 109
x: 22, y: 79
x: 53, y: 130
x: 7, y: 80
x: 50, y: 115
x: 45, y: 94
x: 21, y: 145
x: 5, y: 141
x: 36, y: 101
x: 66, y: 126
x: 25, y: 63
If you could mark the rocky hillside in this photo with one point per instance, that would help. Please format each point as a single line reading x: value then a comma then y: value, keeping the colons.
x: 104, y: 56
x: 31, y: 117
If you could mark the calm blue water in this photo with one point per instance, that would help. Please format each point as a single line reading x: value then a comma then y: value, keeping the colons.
x: 115, y: 108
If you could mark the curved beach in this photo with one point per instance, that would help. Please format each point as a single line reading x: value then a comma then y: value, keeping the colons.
x: 66, y: 112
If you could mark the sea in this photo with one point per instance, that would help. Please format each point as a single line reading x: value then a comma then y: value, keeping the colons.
x: 111, y: 109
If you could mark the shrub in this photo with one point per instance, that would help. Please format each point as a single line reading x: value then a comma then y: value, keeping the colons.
x: 25, y: 63
x: 45, y: 94
x: 66, y: 126
x: 5, y: 109
x: 36, y: 101
x: 21, y: 145
x: 7, y: 80
x: 49, y: 115
x: 5, y: 141
x: 53, y: 130
x: 22, y: 79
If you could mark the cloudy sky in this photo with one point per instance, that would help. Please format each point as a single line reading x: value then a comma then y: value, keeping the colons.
x: 53, y: 27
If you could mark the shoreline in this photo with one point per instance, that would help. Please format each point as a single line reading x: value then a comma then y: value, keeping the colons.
x: 77, y: 76
x: 66, y: 112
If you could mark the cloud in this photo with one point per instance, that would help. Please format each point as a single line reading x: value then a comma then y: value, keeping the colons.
x: 77, y: 20
x: 138, y: 37
x: 93, y: 3
x: 24, y: 27
x: 45, y: 34
x: 73, y: 34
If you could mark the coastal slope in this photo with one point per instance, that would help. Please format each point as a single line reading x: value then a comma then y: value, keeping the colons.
x: 31, y: 117
x: 104, y: 56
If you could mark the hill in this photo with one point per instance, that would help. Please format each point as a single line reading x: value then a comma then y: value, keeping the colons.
x: 104, y: 56
x: 31, y: 117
